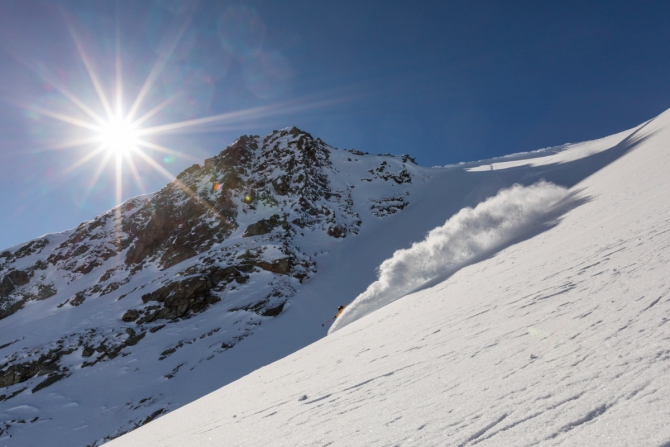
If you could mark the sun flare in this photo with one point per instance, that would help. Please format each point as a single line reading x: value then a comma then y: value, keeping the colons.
x: 119, y: 136
x: 121, y: 130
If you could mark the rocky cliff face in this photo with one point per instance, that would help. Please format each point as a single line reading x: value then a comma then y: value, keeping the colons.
x: 237, y: 235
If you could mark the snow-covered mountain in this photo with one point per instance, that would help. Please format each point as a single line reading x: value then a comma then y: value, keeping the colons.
x: 538, y: 315
x: 557, y: 335
x: 116, y: 315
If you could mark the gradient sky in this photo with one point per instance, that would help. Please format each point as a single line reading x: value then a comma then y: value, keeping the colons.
x: 443, y: 81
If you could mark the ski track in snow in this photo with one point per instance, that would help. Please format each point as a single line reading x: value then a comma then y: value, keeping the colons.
x: 561, y: 339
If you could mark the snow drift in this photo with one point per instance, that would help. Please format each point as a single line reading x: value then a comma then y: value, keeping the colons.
x: 465, y: 236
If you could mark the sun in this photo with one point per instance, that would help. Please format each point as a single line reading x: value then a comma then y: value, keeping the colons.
x: 120, y: 131
x: 119, y: 136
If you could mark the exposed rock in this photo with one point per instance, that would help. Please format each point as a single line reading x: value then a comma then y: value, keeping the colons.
x: 177, y: 227
x: 32, y: 247
x: 168, y: 352
x: 19, y: 277
x: 264, y: 226
x: 20, y: 372
x: 242, y: 279
x: 406, y: 158
x: 87, y: 267
x: 107, y: 275
x: 282, y: 186
x: 8, y: 344
x: 387, y: 206
x: 5, y: 397
x: 40, y: 265
x: 337, y: 231
x: 216, y: 275
x: 134, y: 339
x: 8, y: 308
x: 111, y: 287
x: 50, y: 380
x: 273, y: 311
x: 130, y: 315
x: 180, y: 297
x: 382, y: 172
x: 78, y: 299
x: 152, y: 416
x: 264, y: 308
x: 6, y: 286
x: 45, y: 291
x: 281, y: 266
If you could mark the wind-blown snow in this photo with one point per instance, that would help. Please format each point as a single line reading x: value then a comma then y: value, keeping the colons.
x: 465, y: 236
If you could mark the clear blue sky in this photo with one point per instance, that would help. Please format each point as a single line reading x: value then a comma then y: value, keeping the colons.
x: 443, y: 81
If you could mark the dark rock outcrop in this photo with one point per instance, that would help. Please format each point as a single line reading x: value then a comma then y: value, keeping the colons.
x: 45, y: 364
x: 281, y: 266
x: 181, y: 297
x: 264, y: 226
x: 130, y: 316
x: 6, y: 286
x: 19, y: 277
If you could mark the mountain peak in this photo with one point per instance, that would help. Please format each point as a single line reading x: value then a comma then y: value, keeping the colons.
x: 228, y: 243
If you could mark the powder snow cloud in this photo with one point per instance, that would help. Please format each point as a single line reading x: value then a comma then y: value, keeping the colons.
x: 465, y: 236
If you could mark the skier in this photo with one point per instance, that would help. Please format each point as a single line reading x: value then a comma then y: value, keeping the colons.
x: 340, y: 309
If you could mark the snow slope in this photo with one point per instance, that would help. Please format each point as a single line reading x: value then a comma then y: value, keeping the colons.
x: 560, y: 337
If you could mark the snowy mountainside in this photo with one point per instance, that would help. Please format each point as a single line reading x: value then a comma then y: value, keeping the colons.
x: 558, y: 338
x: 233, y: 266
x: 173, y: 280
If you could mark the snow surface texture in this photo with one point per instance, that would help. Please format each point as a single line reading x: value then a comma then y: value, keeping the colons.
x: 560, y: 339
x: 463, y: 238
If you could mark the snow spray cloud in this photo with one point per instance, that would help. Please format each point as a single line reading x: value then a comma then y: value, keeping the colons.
x: 465, y: 236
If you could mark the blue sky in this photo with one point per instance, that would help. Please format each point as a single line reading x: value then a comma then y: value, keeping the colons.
x: 443, y: 81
